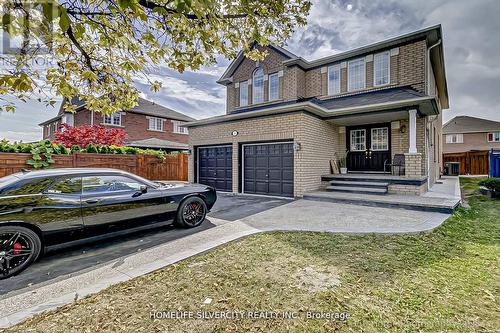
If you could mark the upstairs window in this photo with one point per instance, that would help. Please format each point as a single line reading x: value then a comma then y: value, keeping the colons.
x: 244, y: 93
x: 356, y: 74
x: 273, y: 87
x: 178, y: 127
x: 494, y: 137
x: 334, y: 80
x: 113, y: 119
x: 381, y: 69
x: 454, y: 138
x: 258, y: 86
x: 156, y: 124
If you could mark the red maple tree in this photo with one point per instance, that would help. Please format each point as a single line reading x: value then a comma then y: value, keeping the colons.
x: 86, y: 134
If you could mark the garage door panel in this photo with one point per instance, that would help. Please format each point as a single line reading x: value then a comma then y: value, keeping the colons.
x: 268, y: 169
x: 215, y: 167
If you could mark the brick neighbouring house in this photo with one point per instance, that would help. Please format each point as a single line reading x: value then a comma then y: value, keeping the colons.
x: 287, y: 118
x: 148, y: 125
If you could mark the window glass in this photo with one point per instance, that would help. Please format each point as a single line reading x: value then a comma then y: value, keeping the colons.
x: 273, y: 87
x: 244, y: 93
x: 258, y: 86
x: 23, y: 187
x: 106, y: 184
x: 113, y: 119
x: 333, y: 80
x: 494, y: 137
x: 356, y: 74
x: 67, y: 185
x: 156, y: 124
x: 178, y: 127
x: 380, y: 138
x: 381, y: 69
x: 454, y: 138
x: 358, y: 140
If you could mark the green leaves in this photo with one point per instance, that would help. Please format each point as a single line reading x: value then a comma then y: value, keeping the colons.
x: 112, y: 42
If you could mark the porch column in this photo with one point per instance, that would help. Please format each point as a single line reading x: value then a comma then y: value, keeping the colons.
x: 412, y: 131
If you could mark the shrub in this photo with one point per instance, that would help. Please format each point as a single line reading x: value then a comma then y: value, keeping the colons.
x: 84, y: 135
x: 492, y: 184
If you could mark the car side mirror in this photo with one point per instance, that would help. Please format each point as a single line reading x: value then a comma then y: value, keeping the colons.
x: 142, y: 189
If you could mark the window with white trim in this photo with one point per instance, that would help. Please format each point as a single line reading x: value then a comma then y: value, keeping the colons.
x: 258, y: 86
x: 244, y: 93
x: 274, y: 84
x: 156, y: 124
x: 177, y: 127
x: 113, y: 119
x: 381, y: 69
x: 356, y: 74
x: 494, y: 137
x: 454, y: 138
x: 334, y: 80
x: 358, y: 140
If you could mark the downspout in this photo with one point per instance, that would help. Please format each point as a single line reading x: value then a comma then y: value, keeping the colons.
x: 429, y: 124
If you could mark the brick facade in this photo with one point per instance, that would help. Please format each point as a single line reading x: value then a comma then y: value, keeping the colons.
x: 318, y: 140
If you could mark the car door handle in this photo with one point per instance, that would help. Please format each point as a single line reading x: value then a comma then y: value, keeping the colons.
x: 92, y: 201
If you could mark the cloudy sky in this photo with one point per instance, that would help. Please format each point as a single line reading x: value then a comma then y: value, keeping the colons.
x: 472, y: 52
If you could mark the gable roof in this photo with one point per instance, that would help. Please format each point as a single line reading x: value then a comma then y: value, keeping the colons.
x: 158, y: 143
x: 226, y: 76
x: 466, y: 124
x: 144, y: 106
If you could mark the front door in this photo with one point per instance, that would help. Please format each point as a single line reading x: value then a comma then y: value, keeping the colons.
x: 368, y: 146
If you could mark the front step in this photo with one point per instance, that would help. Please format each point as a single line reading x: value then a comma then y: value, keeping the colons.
x: 412, y: 202
x: 359, y: 183
x: 357, y: 189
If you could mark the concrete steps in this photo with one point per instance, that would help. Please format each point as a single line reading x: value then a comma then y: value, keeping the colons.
x: 358, y: 185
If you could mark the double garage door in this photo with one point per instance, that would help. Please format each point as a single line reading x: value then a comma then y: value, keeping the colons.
x: 266, y: 168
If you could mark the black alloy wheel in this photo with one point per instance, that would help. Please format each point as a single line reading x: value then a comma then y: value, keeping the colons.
x: 192, y: 212
x: 19, y: 247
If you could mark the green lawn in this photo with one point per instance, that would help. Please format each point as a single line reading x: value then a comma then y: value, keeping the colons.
x: 444, y: 281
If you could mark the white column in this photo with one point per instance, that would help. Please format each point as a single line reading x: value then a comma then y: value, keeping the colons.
x: 412, y: 132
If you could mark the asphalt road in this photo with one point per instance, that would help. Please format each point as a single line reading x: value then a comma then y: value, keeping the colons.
x: 61, y: 263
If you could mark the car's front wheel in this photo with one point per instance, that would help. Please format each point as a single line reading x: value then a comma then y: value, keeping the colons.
x: 19, y: 247
x: 191, y: 212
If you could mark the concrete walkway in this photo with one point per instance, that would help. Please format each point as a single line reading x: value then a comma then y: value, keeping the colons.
x: 297, y: 215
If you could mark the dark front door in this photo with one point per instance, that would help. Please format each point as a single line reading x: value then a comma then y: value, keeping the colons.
x: 268, y: 169
x: 369, y: 146
x: 215, y: 167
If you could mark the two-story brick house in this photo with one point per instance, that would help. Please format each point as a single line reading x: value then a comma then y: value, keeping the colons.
x: 287, y: 118
x: 464, y: 134
x: 147, y: 125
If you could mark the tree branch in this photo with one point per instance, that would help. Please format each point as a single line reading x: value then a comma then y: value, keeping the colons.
x: 88, y: 59
x: 152, y: 5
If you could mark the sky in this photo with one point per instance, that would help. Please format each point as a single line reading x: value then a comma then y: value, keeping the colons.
x: 471, y: 39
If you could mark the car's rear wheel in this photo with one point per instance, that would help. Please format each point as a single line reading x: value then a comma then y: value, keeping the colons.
x: 19, y: 247
x: 191, y: 212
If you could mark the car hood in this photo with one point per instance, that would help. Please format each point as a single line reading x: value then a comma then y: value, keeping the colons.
x: 177, y: 185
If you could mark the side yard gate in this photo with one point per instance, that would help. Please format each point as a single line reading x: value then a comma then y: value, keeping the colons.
x: 174, y: 167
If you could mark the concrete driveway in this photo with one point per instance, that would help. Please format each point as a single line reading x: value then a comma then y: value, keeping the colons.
x: 63, y: 263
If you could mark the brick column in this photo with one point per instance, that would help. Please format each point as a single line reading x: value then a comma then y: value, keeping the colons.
x: 413, y: 165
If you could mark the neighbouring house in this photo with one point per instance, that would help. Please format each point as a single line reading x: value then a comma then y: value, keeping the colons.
x: 467, y: 141
x: 463, y: 133
x: 287, y: 118
x: 147, y: 125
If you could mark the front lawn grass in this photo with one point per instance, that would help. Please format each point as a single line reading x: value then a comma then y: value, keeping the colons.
x: 444, y: 281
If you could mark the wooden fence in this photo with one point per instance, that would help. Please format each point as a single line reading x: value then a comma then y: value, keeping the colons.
x: 174, y: 167
x: 471, y: 163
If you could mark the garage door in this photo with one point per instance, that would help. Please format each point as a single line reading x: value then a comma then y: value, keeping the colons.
x: 215, y: 167
x: 268, y: 169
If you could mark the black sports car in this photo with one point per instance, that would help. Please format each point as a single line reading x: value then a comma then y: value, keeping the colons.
x: 41, y: 210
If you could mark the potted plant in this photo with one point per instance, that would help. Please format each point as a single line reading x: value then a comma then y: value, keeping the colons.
x: 343, y: 163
